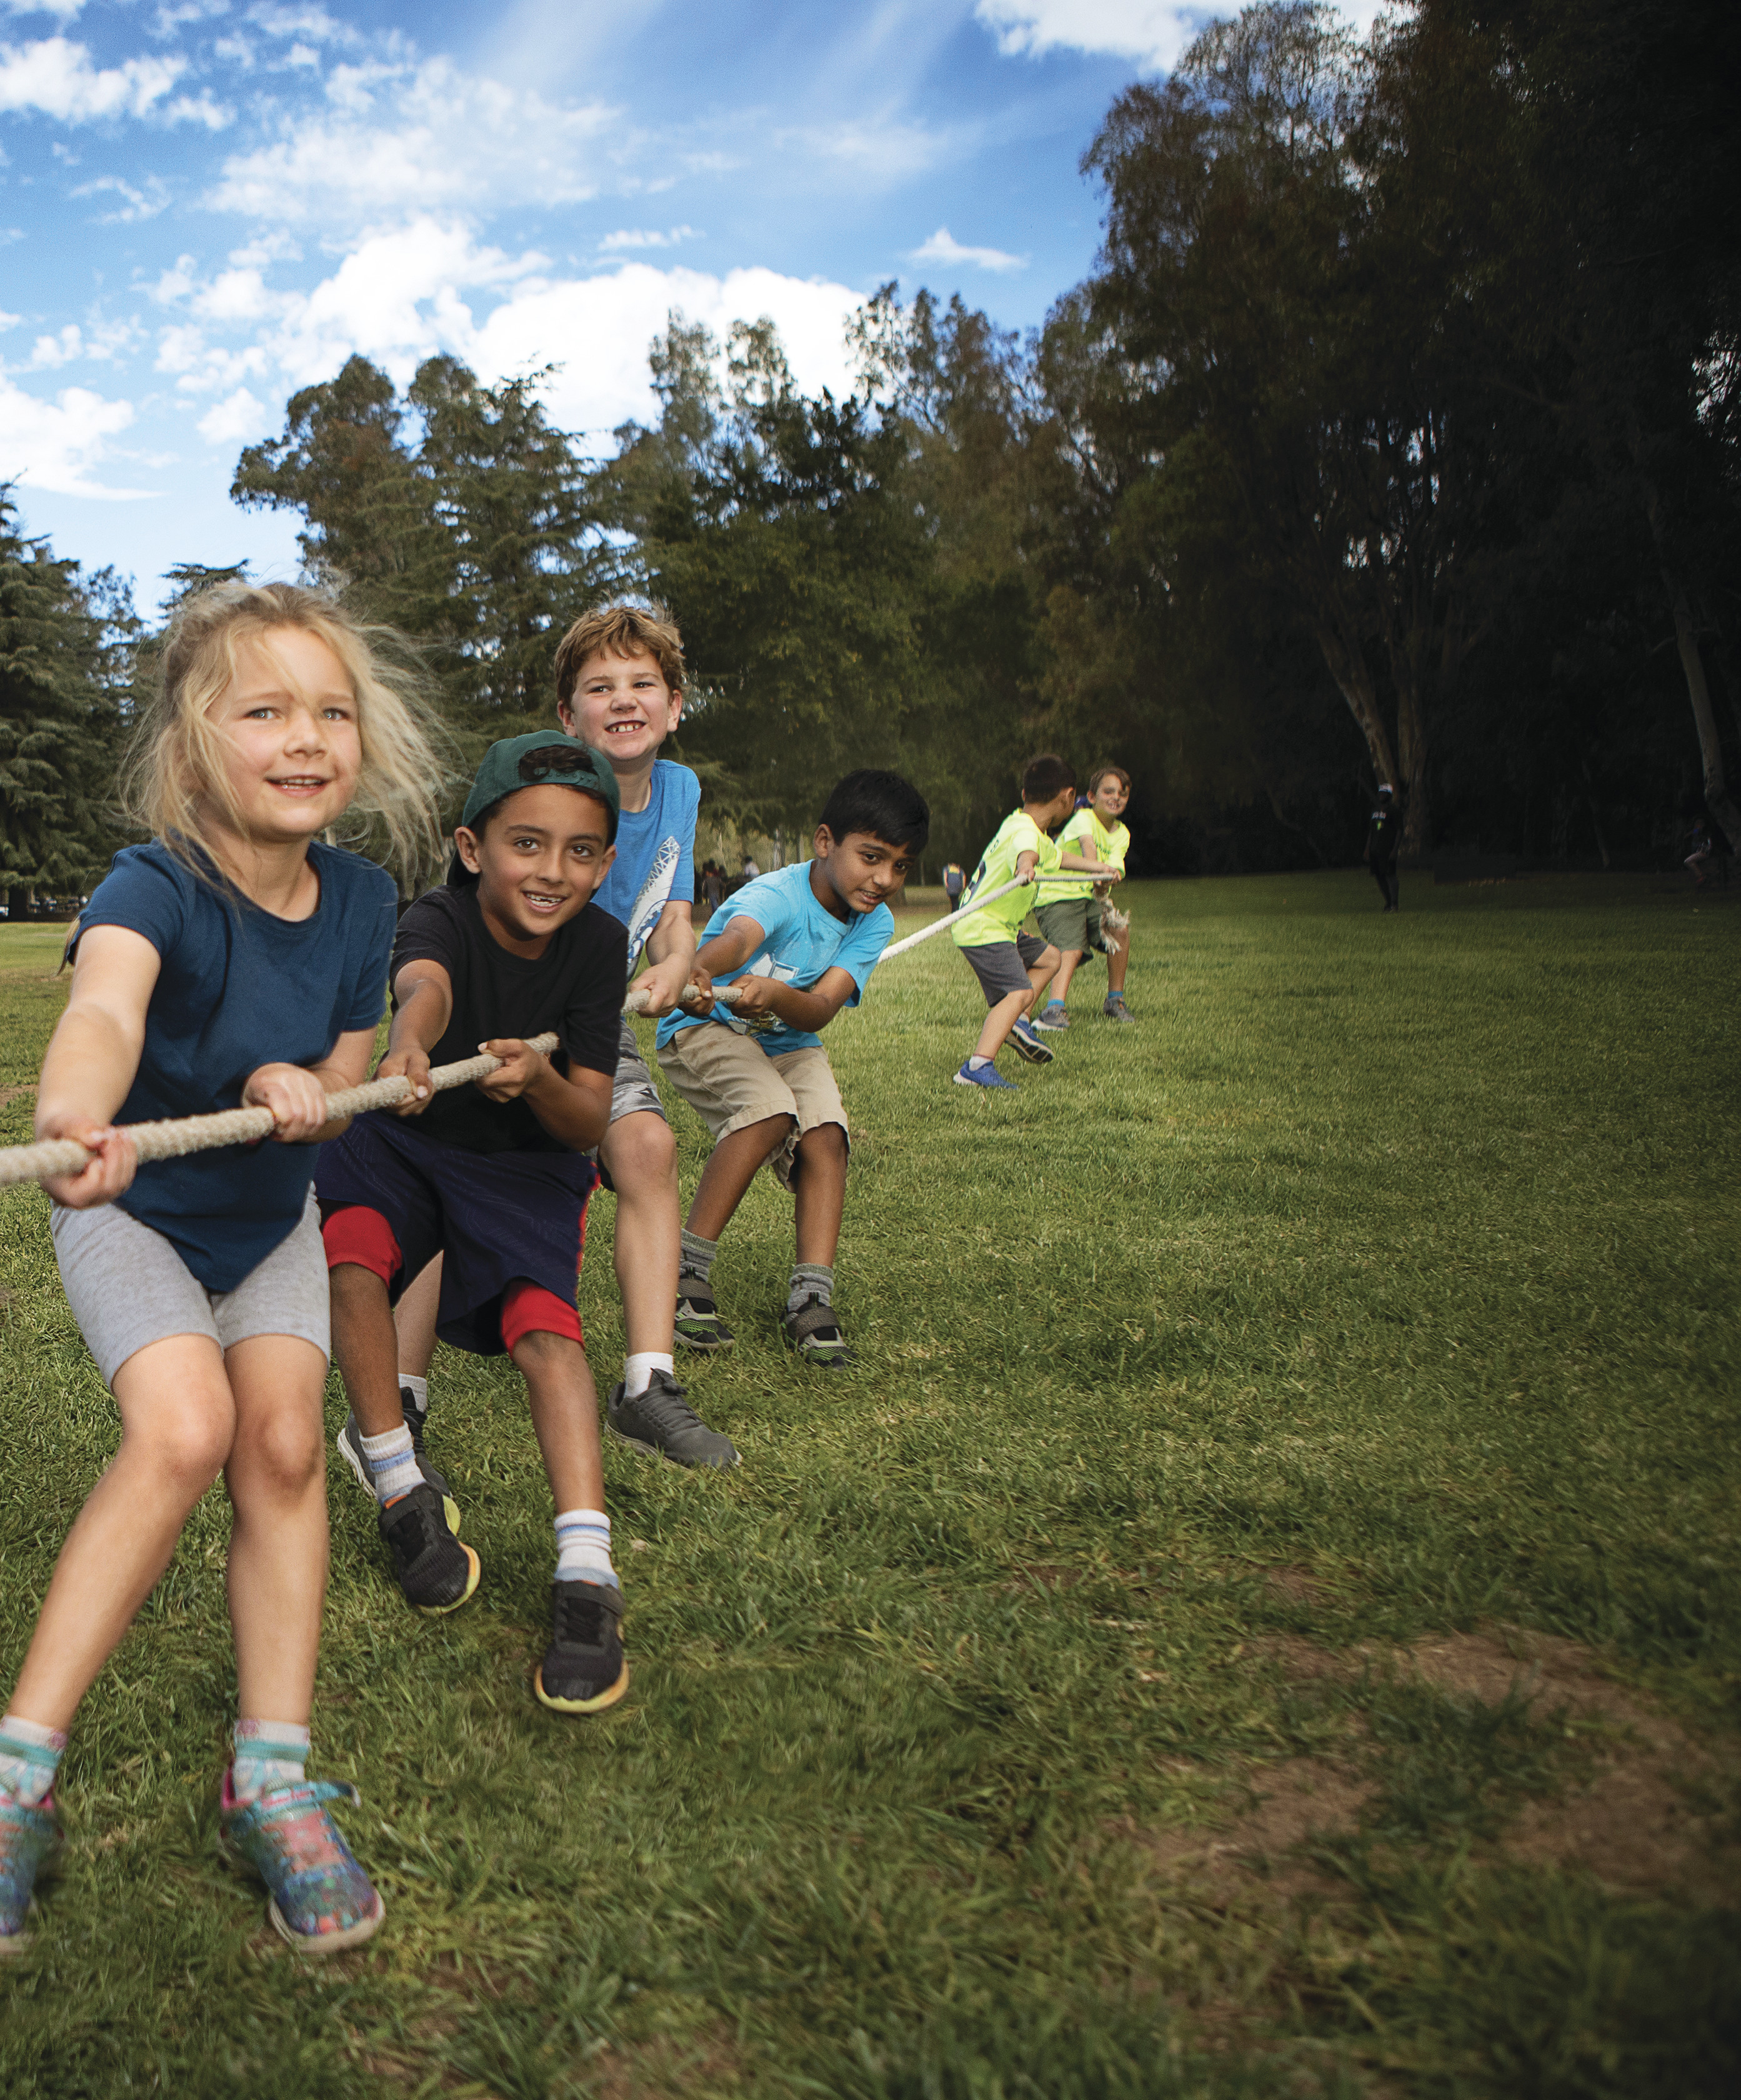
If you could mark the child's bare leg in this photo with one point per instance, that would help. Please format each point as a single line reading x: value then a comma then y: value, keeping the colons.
x: 1041, y: 975
x: 178, y: 1425
x: 998, y: 1022
x: 1118, y: 962
x: 1068, y: 962
x: 641, y: 1155
x: 365, y: 1347
x: 564, y: 1404
x: 414, y: 1319
x: 734, y: 1164
x: 819, y: 1183
x: 278, y: 1549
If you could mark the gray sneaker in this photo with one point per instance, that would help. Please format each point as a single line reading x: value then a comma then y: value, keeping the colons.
x: 661, y: 1423
x: 350, y: 1443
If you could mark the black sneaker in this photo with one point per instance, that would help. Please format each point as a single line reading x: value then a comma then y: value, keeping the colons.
x: 436, y: 1572
x: 350, y: 1443
x: 661, y: 1421
x: 814, y: 1332
x: 698, y: 1325
x: 584, y: 1670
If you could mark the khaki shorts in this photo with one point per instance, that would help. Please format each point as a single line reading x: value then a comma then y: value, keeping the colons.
x: 730, y: 1081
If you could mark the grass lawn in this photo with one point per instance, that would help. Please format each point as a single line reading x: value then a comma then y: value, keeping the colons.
x: 1264, y: 1617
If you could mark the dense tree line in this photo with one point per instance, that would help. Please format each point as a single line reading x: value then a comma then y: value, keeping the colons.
x: 1396, y: 435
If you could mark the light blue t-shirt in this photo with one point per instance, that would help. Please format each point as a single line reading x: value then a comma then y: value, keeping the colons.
x: 656, y: 856
x: 802, y: 942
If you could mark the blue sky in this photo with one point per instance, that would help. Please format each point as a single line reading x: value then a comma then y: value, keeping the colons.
x: 206, y: 204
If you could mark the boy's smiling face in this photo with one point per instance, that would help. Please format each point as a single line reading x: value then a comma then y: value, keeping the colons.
x: 621, y: 706
x: 539, y: 855
x: 1109, y: 800
x: 858, y: 873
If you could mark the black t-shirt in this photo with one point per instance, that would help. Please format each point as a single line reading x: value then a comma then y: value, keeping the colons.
x: 575, y: 988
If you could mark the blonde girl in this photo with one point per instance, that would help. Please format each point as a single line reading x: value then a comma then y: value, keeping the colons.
x: 237, y: 958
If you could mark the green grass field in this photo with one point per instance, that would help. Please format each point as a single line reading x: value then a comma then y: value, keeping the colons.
x: 1264, y: 1618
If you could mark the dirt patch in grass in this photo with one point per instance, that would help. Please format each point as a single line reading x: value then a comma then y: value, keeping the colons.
x: 11, y: 1093
x: 1651, y: 1811
x: 706, y: 2063
x: 1290, y: 1806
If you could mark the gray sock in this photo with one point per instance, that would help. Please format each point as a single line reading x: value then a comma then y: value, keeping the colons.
x: 697, y: 1257
x: 810, y: 1279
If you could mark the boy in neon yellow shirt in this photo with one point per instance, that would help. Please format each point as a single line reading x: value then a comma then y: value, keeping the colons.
x: 1069, y: 909
x: 1013, y: 968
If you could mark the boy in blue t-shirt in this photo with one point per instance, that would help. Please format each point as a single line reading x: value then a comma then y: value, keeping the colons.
x: 798, y: 945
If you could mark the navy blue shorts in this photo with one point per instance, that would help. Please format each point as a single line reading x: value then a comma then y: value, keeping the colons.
x: 496, y: 1216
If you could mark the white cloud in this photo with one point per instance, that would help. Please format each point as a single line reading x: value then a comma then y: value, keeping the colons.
x: 51, y: 350
x: 58, y: 445
x: 643, y: 237
x: 402, y: 296
x: 236, y: 419
x: 57, y: 77
x: 397, y: 139
x: 943, y: 247
x: 135, y: 204
x: 1154, y: 32
x: 9, y: 321
x: 278, y: 20
x: 63, y: 11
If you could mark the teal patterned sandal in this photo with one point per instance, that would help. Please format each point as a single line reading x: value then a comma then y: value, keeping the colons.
x: 321, y: 1899
x: 27, y: 1837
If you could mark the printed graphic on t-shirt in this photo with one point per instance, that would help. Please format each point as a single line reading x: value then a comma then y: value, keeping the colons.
x: 654, y: 896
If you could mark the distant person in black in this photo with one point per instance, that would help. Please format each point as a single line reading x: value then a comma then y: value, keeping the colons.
x: 1383, y: 836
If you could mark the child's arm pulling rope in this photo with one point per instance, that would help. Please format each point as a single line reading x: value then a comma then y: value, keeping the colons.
x: 186, y: 1134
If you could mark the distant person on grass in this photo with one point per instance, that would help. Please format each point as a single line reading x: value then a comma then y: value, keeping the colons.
x: 1384, y: 831
x: 236, y: 958
x: 495, y: 1177
x: 1069, y: 908
x: 620, y: 688
x: 1013, y: 968
x: 799, y: 945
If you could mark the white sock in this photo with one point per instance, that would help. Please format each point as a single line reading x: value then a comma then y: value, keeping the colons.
x: 638, y: 1369
x: 392, y: 1464
x: 976, y: 1063
x: 583, y: 1548
x: 419, y: 1388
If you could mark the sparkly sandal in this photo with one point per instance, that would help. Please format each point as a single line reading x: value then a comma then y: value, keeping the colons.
x: 27, y: 1837
x: 814, y: 1332
x: 321, y: 1899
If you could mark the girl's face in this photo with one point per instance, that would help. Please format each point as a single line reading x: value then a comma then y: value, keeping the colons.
x: 1109, y: 798
x: 293, y: 745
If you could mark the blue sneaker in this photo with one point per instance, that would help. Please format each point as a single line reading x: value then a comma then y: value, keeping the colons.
x: 1054, y: 1016
x: 27, y: 1837
x: 987, y: 1076
x: 321, y: 1899
x: 1026, y: 1044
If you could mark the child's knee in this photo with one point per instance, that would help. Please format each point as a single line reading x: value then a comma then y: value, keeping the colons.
x: 285, y: 1452
x: 640, y: 1151
x: 824, y: 1141
x: 191, y: 1445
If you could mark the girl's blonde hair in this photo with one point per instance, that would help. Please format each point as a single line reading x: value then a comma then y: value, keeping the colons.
x: 177, y: 759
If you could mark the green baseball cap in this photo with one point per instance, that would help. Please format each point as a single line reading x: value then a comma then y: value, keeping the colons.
x: 546, y: 755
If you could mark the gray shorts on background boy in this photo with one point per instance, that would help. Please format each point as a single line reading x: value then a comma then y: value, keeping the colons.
x: 1001, y: 967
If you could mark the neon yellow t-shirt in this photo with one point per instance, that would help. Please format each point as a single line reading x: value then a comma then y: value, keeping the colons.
x: 1085, y: 835
x: 1016, y: 835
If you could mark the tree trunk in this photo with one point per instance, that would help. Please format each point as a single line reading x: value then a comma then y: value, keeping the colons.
x: 1348, y: 667
x: 1410, y: 740
x: 1718, y: 800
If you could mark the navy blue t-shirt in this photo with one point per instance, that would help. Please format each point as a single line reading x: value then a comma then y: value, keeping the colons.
x: 240, y: 988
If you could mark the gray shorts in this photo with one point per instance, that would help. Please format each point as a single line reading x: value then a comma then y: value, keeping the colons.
x: 128, y: 1287
x: 1073, y: 924
x: 633, y: 1091
x: 1001, y: 967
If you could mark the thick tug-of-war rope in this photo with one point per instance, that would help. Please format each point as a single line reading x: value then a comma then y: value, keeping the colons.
x: 174, y: 1139
x: 205, y: 1133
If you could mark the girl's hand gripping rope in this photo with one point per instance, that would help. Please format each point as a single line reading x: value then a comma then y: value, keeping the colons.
x: 109, y: 1173
x: 297, y: 1099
